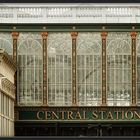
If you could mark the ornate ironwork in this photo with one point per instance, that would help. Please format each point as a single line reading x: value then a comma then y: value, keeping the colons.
x: 15, y: 37
x: 74, y: 84
x: 133, y: 67
x: 104, y: 35
x: 45, y: 91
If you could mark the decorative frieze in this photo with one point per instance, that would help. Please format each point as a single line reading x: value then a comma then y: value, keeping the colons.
x: 8, y: 88
x: 4, y: 56
x: 71, y: 13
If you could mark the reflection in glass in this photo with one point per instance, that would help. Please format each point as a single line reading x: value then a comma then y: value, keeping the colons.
x: 119, y: 69
x: 30, y: 66
x: 89, y: 69
x: 59, y: 69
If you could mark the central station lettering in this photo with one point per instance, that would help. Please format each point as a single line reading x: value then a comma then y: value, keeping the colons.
x: 88, y: 115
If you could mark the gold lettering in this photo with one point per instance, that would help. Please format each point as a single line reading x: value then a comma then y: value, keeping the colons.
x: 136, y: 114
x: 117, y: 114
x: 38, y: 115
x: 47, y: 115
x: 122, y: 115
x: 62, y: 115
x: 78, y: 115
x: 69, y: 115
x: 54, y: 116
x: 127, y: 115
x: 110, y: 116
x: 84, y: 115
x: 95, y: 115
x: 102, y: 114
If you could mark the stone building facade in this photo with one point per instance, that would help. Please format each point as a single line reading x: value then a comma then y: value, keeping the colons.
x: 7, y: 94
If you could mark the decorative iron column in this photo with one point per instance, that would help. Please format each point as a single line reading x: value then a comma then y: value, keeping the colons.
x: 44, y: 45
x: 74, y: 85
x: 133, y: 67
x: 15, y: 37
x: 104, y: 87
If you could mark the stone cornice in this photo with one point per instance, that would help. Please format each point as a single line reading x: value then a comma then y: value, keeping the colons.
x: 5, y: 57
x: 70, y: 13
x: 8, y: 88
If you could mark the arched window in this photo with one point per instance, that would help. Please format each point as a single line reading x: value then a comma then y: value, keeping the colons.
x: 119, y: 69
x: 89, y: 68
x: 59, y: 69
x: 30, y: 69
x: 6, y: 43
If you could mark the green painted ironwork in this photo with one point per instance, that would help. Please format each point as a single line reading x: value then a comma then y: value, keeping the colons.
x: 126, y: 114
x: 68, y: 27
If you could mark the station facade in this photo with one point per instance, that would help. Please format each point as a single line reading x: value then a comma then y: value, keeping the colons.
x: 78, y: 68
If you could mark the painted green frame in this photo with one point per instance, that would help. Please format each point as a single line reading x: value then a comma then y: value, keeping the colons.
x: 68, y: 27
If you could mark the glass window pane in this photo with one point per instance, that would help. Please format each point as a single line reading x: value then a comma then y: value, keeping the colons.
x: 30, y: 67
x: 119, y: 69
x: 89, y: 68
x: 59, y: 69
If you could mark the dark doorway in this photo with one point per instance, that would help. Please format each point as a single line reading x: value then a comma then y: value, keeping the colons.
x: 76, y: 129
